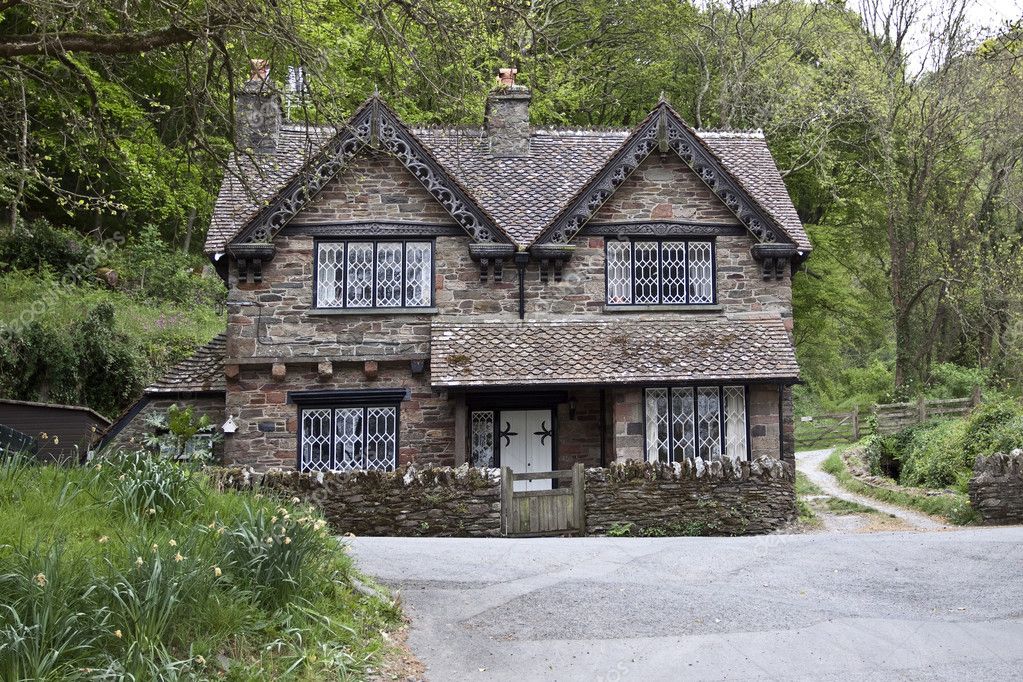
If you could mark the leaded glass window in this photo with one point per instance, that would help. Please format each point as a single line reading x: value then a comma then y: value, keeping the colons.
x: 660, y: 272
x: 686, y: 422
x: 481, y: 437
x: 735, y: 421
x: 348, y: 438
x: 366, y: 274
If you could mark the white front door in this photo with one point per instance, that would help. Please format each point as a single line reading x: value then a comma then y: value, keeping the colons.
x: 527, y: 444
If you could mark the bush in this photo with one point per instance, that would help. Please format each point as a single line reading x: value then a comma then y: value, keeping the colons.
x: 39, y: 245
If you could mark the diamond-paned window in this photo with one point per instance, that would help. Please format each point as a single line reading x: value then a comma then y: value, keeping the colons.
x: 481, y: 439
x: 705, y: 421
x: 349, y: 438
x: 660, y: 272
x: 366, y: 274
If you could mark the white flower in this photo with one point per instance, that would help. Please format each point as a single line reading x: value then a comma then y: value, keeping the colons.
x: 287, y: 540
x: 217, y: 572
x: 103, y: 540
x: 295, y: 500
x: 178, y: 557
x: 40, y: 580
x: 117, y: 634
x: 172, y: 543
x: 139, y: 562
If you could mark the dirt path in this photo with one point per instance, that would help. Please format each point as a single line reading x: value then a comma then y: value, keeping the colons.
x: 809, y: 462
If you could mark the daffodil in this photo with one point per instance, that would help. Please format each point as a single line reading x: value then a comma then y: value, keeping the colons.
x: 217, y: 572
x: 172, y: 543
x: 117, y: 634
x: 287, y: 540
x: 139, y: 562
x: 40, y: 580
x: 103, y: 540
x: 178, y: 557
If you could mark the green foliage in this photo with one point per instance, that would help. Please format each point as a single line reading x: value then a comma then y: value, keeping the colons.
x: 955, y: 508
x: 84, y: 344
x: 617, y: 529
x: 136, y: 596
x: 275, y: 554
x: 941, y: 453
x: 146, y: 487
x: 40, y: 245
x: 154, y: 273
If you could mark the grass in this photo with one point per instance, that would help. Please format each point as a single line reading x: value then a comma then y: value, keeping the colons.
x: 838, y: 506
x: 103, y: 569
x: 806, y: 488
x: 954, y: 508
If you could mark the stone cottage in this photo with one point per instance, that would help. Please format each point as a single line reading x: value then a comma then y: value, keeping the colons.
x: 510, y: 294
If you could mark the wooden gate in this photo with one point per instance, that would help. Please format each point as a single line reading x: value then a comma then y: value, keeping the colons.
x: 532, y: 513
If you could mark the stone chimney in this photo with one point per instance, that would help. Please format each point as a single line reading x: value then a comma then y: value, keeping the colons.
x: 507, y: 116
x: 258, y: 111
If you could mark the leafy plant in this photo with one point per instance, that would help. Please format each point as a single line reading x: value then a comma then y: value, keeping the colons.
x: 146, y: 486
x: 274, y: 553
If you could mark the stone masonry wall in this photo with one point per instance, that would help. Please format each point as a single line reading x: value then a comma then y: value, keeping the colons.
x: 268, y: 423
x: 275, y: 318
x: 655, y: 499
x: 996, y: 489
x: 691, y: 498
x: 432, y: 501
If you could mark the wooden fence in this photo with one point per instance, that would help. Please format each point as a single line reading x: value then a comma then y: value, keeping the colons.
x: 848, y: 427
x: 897, y: 416
x: 558, y: 511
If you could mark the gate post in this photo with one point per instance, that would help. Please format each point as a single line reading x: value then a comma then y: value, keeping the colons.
x: 507, y: 487
x: 856, y: 423
x: 579, y: 493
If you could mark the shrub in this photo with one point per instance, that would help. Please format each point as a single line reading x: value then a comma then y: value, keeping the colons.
x: 40, y: 245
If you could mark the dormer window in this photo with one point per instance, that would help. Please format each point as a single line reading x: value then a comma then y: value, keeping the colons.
x: 374, y: 274
x: 660, y: 272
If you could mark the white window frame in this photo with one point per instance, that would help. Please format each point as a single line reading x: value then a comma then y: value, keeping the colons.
x: 670, y: 437
x: 340, y: 275
x: 637, y: 285
x: 339, y: 461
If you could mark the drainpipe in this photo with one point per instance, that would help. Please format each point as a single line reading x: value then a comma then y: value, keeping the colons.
x: 521, y: 260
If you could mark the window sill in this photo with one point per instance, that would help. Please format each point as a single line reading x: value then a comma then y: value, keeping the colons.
x: 707, y: 308
x: 371, y: 311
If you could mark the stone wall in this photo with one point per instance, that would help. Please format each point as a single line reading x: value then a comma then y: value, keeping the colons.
x: 655, y: 499
x: 996, y: 489
x: 431, y: 502
x: 691, y: 498
x: 268, y: 423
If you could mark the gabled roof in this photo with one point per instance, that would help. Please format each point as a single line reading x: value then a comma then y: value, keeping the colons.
x: 607, y: 352
x: 201, y: 372
x: 373, y: 124
x: 523, y: 197
x: 665, y: 130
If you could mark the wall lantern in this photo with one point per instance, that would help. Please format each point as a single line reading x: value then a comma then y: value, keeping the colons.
x: 229, y: 426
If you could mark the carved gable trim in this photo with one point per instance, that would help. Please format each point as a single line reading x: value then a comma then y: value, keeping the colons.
x: 374, y: 124
x: 665, y: 130
x: 661, y: 228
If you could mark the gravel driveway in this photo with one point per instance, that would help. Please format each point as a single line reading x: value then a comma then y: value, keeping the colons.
x: 880, y: 606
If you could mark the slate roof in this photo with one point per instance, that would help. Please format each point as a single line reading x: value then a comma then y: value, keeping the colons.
x: 202, y: 371
x: 521, y: 194
x: 536, y: 352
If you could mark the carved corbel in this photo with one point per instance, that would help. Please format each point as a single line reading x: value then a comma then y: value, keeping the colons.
x: 772, y: 258
x: 551, y: 257
x: 485, y: 254
x: 250, y: 259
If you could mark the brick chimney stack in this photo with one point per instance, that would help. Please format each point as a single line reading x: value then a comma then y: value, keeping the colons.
x: 507, y: 116
x: 258, y: 111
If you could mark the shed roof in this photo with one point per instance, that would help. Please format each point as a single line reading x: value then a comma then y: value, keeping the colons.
x: 700, y: 348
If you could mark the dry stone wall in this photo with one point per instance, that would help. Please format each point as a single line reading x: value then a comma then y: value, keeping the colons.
x: 653, y: 499
x: 996, y: 489
x: 691, y: 498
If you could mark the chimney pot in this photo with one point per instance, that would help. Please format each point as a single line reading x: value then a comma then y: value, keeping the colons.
x: 259, y: 69
x: 506, y: 77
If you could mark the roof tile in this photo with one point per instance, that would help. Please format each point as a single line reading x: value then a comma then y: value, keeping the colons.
x: 611, y: 352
